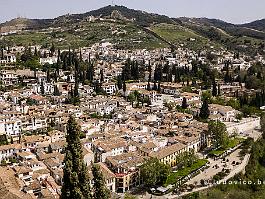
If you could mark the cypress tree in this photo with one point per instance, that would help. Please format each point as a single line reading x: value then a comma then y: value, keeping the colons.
x: 90, y: 72
x: 42, y: 90
x: 75, y: 179
x: 158, y: 87
x: 35, y: 52
x: 219, y: 90
x: 204, y: 112
x: 126, y: 72
x: 52, y: 49
x: 100, y: 189
x: 119, y: 82
x: 155, y: 86
x: 101, y: 76
x: 214, y: 91
x: 76, y: 93
x: 124, y: 87
x: 148, y: 86
x: 2, y: 53
x: 56, y: 91
x: 48, y: 74
x: 184, y: 103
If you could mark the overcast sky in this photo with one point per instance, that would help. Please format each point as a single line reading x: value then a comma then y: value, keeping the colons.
x: 235, y: 11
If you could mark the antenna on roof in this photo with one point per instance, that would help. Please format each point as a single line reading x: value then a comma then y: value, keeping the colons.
x: 113, y: 3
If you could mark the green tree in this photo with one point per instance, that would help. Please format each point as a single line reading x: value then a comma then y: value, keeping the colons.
x: 153, y: 172
x: 99, y: 187
x: 218, y: 132
x: 75, y: 178
x: 234, y: 103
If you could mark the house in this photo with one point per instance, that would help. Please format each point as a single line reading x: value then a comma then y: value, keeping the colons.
x: 31, y: 142
x: 170, y: 88
x: 109, y: 88
x: 24, y: 173
x: 107, y: 108
x: 105, y: 148
x: 8, y: 151
x: 56, y: 135
x: 222, y: 113
x: 11, y: 128
x: 168, y: 155
x: 8, y: 78
x: 46, y: 88
x: 8, y: 59
x: 126, y: 170
x: 49, y: 60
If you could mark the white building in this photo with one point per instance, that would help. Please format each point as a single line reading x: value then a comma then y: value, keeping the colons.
x: 48, y: 88
x: 7, y: 78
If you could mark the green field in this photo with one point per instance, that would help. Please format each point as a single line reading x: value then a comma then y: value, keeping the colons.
x: 175, y: 176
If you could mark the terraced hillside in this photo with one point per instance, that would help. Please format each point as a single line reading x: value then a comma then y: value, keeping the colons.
x: 125, y: 35
x: 179, y: 35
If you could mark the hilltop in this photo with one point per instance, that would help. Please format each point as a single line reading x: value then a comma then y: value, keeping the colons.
x: 131, y: 28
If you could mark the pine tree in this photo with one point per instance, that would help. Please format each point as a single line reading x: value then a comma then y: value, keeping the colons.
x: 75, y: 178
x: 204, y: 112
x: 100, y: 189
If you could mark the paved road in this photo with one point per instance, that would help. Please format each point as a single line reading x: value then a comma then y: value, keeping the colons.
x: 209, y: 173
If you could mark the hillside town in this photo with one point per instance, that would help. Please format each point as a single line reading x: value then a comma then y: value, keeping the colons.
x: 128, y: 111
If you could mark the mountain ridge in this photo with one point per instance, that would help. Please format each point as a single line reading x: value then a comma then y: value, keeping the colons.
x: 142, y: 18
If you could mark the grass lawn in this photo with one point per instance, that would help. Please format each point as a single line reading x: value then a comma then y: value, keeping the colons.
x: 175, y: 176
x: 232, y: 143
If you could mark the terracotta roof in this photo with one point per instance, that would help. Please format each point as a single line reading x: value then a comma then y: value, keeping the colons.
x: 169, y: 150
